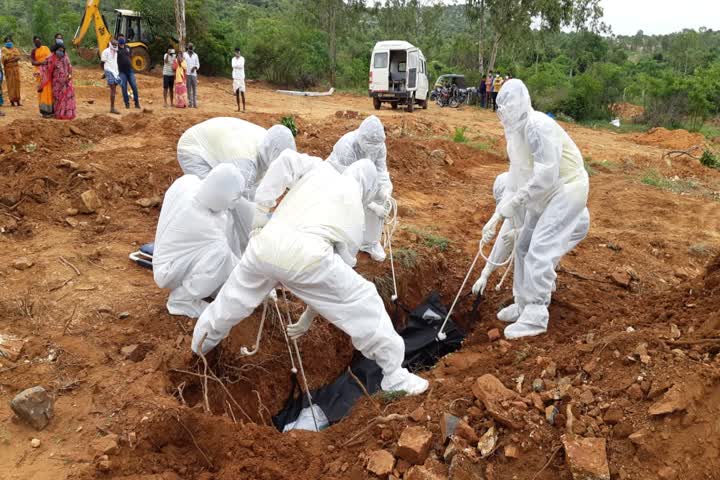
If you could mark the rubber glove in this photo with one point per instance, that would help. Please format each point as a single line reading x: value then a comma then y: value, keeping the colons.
x: 261, y: 218
x: 385, y: 193
x: 509, y: 240
x: 508, y: 208
x: 479, y: 287
x: 273, y: 295
x: 377, y: 209
x: 489, y: 229
x: 297, y: 330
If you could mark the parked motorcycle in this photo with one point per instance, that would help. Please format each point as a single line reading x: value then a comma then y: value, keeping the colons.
x: 451, y: 96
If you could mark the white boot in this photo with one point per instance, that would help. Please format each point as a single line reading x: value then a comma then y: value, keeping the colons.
x: 376, y: 251
x: 532, y: 322
x: 180, y: 302
x: 510, y: 314
x: 403, y: 381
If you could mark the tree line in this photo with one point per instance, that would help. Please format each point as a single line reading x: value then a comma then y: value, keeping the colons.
x: 570, y: 60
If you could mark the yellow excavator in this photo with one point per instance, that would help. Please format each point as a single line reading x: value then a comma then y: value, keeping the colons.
x: 127, y: 22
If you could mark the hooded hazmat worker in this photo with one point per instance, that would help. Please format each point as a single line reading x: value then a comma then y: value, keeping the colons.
x: 245, y: 145
x: 368, y: 142
x: 501, y: 249
x: 309, y: 246
x: 546, y: 204
x: 192, y: 255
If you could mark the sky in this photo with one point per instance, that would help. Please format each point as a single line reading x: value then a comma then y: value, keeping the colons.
x: 657, y: 17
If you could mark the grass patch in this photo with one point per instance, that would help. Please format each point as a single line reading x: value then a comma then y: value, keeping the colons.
x: 710, y: 131
x: 432, y: 240
x: 483, y: 147
x: 654, y: 179
x: 86, y: 145
x: 407, y: 257
x: 390, y: 397
x: 384, y: 286
x: 459, y: 136
x: 710, y: 160
x: 289, y: 122
x: 701, y: 250
x: 589, y: 167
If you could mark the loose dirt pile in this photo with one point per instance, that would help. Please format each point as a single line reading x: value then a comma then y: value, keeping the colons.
x: 627, y: 374
x: 628, y: 111
x: 670, y: 139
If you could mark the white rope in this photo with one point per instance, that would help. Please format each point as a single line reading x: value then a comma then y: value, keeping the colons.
x: 441, y: 333
x: 256, y: 347
x: 390, y: 225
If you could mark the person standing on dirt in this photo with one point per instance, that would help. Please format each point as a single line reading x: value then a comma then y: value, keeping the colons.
x: 169, y: 77
x: 503, y: 247
x: 309, y: 247
x: 127, y: 73
x: 368, y: 141
x: 550, y: 187
x: 11, y: 56
x: 249, y: 147
x: 192, y: 254
x: 109, y: 61
x: 482, y: 90
x: 497, y: 85
x: 238, y: 75
x: 39, y: 58
x: 489, y: 88
x: 193, y: 65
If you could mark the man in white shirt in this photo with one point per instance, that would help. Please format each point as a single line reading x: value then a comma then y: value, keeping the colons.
x: 108, y: 59
x: 238, y: 75
x: 193, y: 65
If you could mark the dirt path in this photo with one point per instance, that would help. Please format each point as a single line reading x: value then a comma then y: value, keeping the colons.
x: 74, y: 324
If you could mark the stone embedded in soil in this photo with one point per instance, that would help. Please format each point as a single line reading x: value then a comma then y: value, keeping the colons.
x: 381, y: 463
x: 72, y: 222
x: 419, y: 472
x: 487, y: 442
x: 586, y: 397
x: 586, y: 457
x: 133, y: 353
x: 34, y: 406
x: 538, y: 385
x: 414, y: 445
x: 466, y: 432
x: 90, y: 201
x: 463, y: 468
x: 77, y: 131
x: 149, y: 202
x: 448, y: 424
x: 621, y: 278
x: 639, y: 437
x: 635, y: 392
x: 35, y: 442
x: 613, y: 415
x: 22, y: 263
x: 676, y: 399
x: 10, y: 347
x: 107, y: 445
x: 494, y: 334
x: 550, y: 414
x: 667, y: 473
x: 438, y: 154
x: 512, y: 451
x: 623, y: 430
x: 418, y: 415
x: 492, y: 393
x: 675, y: 332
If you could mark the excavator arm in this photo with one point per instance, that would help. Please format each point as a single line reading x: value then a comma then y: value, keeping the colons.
x: 92, y: 14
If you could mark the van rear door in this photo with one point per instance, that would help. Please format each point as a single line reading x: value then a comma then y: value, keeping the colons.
x: 380, y: 71
x: 412, y: 69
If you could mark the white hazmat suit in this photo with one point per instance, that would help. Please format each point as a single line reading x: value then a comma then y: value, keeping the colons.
x: 308, y: 246
x: 245, y: 145
x: 368, y: 141
x: 550, y: 187
x: 502, y: 248
x: 192, y: 254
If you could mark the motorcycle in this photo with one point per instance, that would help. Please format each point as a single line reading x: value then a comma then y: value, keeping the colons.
x: 451, y: 96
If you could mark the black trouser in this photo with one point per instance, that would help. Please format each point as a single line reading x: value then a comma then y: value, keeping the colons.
x: 494, y: 100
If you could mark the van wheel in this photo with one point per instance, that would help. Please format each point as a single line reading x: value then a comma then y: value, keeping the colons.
x: 410, y: 104
x: 425, y: 103
x: 376, y: 103
x: 394, y: 105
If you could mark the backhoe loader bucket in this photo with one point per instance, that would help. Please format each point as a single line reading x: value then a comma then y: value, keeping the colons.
x: 89, y: 54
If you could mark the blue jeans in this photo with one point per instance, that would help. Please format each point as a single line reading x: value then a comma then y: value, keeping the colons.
x: 126, y: 78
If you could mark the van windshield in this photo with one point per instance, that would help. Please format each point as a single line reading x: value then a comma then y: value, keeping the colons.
x: 381, y: 60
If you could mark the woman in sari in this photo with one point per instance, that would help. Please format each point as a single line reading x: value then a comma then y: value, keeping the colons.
x: 180, y: 67
x: 10, y: 58
x: 59, y: 74
x: 39, y: 58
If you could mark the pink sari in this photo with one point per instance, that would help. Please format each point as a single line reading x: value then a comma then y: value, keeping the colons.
x: 181, y: 98
x: 59, y: 73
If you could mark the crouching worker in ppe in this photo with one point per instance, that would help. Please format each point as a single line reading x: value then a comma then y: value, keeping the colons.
x: 192, y: 254
x: 308, y: 246
x: 245, y: 145
x: 368, y: 142
x: 503, y: 247
x: 546, y: 206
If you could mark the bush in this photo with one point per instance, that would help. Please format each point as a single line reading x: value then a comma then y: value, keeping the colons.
x: 289, y: 122
x: 710, y: 160
x: 459, y: 136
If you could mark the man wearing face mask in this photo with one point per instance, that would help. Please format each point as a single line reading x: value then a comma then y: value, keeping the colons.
x: 127, y: 74
x: 168, y: 77
x: 368, y: 141
x: 193, y: 65
x: 192, y: 255
x: 109, y: 61
x: 549, y: 187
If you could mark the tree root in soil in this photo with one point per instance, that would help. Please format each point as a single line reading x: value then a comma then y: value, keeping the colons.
x: 389, y: 418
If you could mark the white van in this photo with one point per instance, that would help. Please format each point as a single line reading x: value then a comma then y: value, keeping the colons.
x: 398, y: 75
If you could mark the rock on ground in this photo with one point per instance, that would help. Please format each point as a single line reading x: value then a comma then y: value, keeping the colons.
x: 414, y: 445
x: 90, y: 201
x: 586, y: 458
x: 10, y: 347
x: 381, y: 463
x: 419, y: 472
x: 22, y: 263
x: 462, y: 468
x: 34, y: 406
x: 493, y: 394
x: 106, y: 445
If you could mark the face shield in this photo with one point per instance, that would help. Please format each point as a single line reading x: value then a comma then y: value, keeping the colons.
x: 513, y: 105
x: 365, y: 173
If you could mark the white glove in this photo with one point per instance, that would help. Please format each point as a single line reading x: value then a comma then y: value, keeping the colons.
x: 297, y: 330
x: 385, y: 193
x: 480, y: 285
x: 377, y: 209
x: 508, y: 208
x: 489, y: 229
x: 509, y: 240
x: 261, y: 218
x: 272, y: 295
